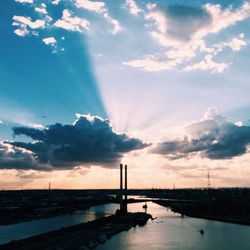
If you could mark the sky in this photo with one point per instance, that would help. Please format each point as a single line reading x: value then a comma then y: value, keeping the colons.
x: 162, y: 86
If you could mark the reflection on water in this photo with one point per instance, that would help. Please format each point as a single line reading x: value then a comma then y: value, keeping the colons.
x: 171, y: 232
x: 27, y: 229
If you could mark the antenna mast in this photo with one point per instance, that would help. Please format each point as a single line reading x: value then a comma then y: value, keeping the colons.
x: 208, y: 180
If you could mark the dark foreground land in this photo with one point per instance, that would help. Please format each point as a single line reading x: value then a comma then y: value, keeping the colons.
x: 82, y: 236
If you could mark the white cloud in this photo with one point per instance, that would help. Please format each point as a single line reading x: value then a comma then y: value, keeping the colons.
x: 71, y: 23
x: 132, y: 7
x: 1, y: 122
x: 184, y: 42
x: 212, y: 114
x: 49, y: 40
x: 160, y: 21
x: 24, y: 1
x: 173, y: 57
x: 48, y: 18
x: 181, y: 54
x: 42, y: 9
x: 239, y: 123
x: 222, y: 19
x: 36, y: 125
x: 21, y: 31
x: 55, y: 2
x: 151, y: 63
x: 99, y: 7
x: 116, y: 25
x: 199, y: 22
x: 25, y: 23
x: 208, y: 64
x: 52, y: 42
x: 235, y: 44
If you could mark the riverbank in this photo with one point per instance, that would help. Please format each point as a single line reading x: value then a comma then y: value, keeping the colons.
x: 81, y: 236
x: 15, y: 215
x: 19, y: 206
x: 208, y: 211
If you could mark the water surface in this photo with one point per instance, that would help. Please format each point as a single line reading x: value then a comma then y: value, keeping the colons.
x: 169, y: 231
x: 172, y: 232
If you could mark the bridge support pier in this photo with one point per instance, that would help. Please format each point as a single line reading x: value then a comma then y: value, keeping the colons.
x: 123, y: 191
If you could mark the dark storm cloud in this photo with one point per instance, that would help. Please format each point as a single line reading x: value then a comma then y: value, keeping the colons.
x: 90, y: 140
x: 214, y: 138
x: 12, y: 157
x: 184, y: 21
x: 35, y: 134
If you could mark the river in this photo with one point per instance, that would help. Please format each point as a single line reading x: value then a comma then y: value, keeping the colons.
x: 169, y: 231
x: 31, y: 228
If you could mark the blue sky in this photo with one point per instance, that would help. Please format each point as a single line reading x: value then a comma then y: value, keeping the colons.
x: 152, y: 70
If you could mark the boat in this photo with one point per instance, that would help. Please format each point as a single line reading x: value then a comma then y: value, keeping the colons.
x: 101, y: 238
x: 92, y: 244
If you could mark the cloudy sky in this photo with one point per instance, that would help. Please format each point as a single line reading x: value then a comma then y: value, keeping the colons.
x: 160, y: 85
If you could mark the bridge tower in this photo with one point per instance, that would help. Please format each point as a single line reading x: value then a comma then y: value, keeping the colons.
x: 123, y: 190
